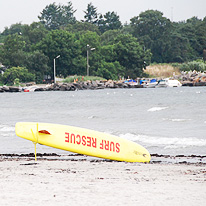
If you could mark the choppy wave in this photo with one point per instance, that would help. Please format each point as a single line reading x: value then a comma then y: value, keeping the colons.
x: 154, y: 109
x: 177, y: 120
x: 166, y: 142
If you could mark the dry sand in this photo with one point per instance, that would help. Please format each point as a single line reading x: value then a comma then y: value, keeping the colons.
x: 70, y: 182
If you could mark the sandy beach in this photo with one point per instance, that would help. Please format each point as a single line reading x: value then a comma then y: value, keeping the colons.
x: 97, y: 182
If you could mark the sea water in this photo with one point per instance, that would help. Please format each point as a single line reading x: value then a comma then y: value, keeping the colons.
x: 168, y: 121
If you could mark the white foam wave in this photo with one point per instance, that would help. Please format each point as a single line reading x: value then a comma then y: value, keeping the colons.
x: 92, y: 117
x: 177, y: 120
x: 165, y: 141
x: 154, y: 109
x: 5, y: 128
x: 5, y: 135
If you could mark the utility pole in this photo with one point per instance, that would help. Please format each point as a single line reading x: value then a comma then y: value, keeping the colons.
x: 88, y: 50
x: 55, y: 68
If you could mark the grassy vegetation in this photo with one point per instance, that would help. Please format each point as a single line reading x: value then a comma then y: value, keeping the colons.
x: 199, y: 66
x: 82, y: 78
x: 161, y: 70
x: 167, y: 70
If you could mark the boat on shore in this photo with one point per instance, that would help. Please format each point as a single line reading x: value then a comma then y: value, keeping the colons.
x: 131, y: 82
x: 30, y: 88
x: 168, y: 83
x: 151, y: 84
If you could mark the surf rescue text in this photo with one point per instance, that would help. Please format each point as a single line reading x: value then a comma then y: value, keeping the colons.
x: 92, y: 142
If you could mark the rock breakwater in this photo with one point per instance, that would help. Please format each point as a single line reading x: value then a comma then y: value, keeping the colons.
x: 89, y: 85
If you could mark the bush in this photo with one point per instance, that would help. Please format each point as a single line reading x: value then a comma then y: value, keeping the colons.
x: 20, y: 73
x: 199, y: 66
x: 16, y: 82
x: 110, y: 70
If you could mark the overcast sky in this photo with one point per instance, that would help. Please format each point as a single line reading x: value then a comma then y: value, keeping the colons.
x: 27, y: 11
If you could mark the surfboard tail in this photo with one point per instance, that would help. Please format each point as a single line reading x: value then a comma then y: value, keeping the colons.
x: 26, y: 130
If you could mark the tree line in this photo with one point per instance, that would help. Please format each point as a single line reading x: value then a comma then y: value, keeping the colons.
x: 120, y: 50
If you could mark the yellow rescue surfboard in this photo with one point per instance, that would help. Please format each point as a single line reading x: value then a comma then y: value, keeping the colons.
x: 82, y: 141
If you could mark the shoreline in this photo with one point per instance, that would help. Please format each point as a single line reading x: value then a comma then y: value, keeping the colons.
x: 25, y: 182
x: 155, y: 158
x: 89, y: 85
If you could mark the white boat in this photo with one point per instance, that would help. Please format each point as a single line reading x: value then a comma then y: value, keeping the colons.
x: 169, y: 83
x: 30, y: 88
x: 152, y: 84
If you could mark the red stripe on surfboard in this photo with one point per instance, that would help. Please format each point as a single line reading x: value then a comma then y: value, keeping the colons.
x: 44, y: 132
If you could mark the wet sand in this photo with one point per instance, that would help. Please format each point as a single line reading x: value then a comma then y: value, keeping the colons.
x: 79, y: 181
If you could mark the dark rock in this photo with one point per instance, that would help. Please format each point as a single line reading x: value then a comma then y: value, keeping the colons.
x: 63, y: 87
x: 138, y: 86
x: 56, y: 89
x: 109, y: 84
x: 187, y: 84
x: 100, y: 87
x: 14, y: 89
x: 125, y: 85
x: 78, y: 86
x: 48, y: 89
x: 100, y: 84
x: 92, y: 87
x: 200, y: 84
x: 120, y: 85
x: 94, y: 84
x: 85, y: 86
x: 40, y: 89
x: 72, y: 88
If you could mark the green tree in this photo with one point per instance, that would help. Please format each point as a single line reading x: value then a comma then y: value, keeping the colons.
x: 91, y: 15
x: 63, y: 43
x: 153, y: 31
x: 201, y: 36
x: 57, y: 16
x: 187, y: 40
x: 37, y: 63
x: 20, y: 73
x: 107, y: 53
x: 187, y: 31
x: 110, y: 70
x: 93, y: 40
x: 13, y: 29
x: 50, y: 17
x: 1, y: 38
x: 12, y: 51
x: 82, y: 27
x: 110, y: 21
x: 179, y: 48
x: 130, y: 55
x: 204, y: 55
x: 109, y: 36
x: 67, y: 13
x: 32, y: 34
